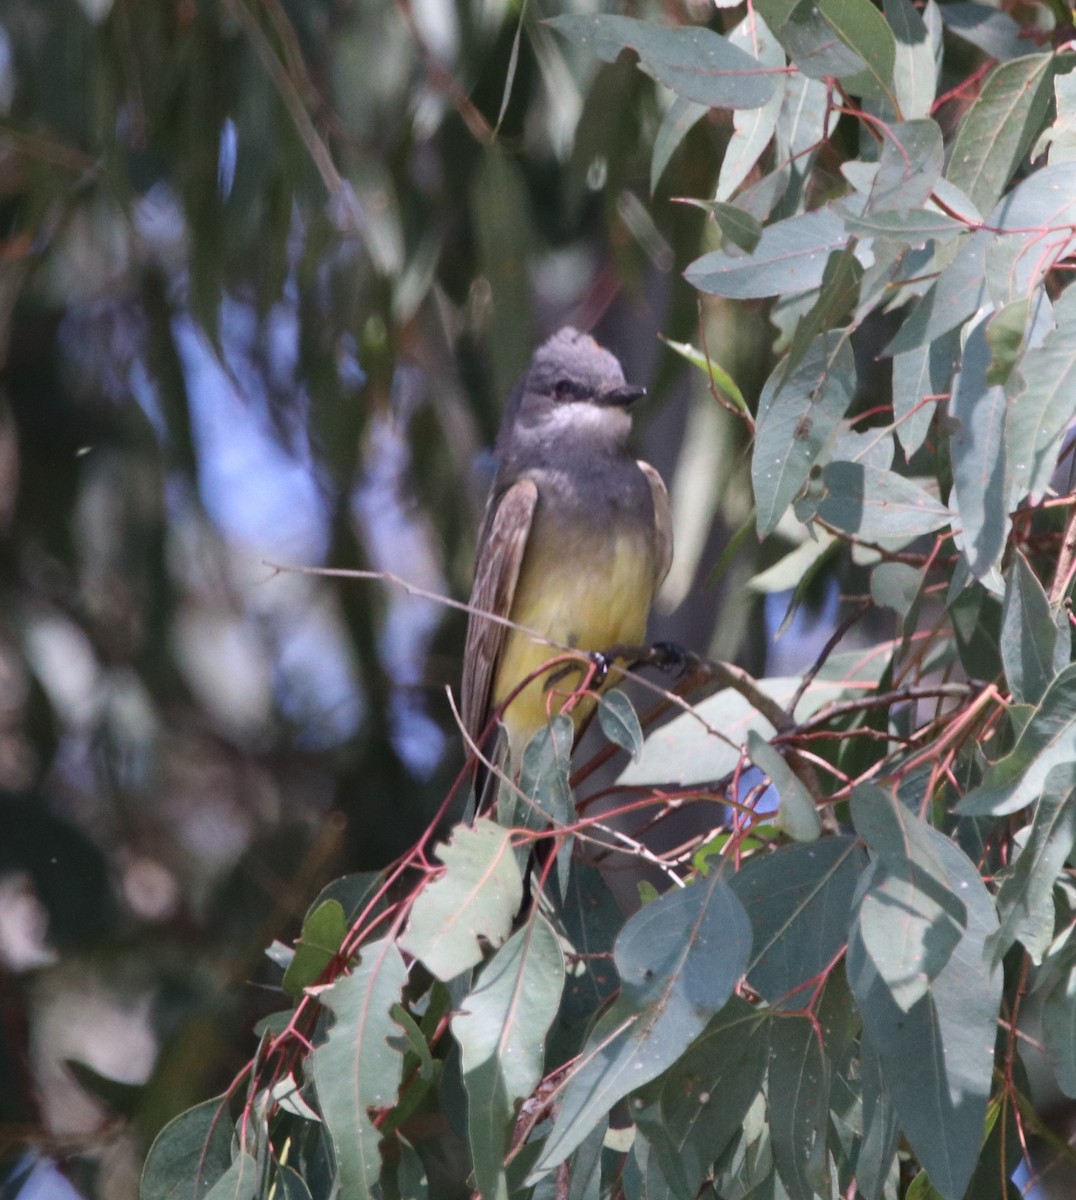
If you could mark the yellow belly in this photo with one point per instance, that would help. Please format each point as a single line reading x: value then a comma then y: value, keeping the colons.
x: 590, y: 598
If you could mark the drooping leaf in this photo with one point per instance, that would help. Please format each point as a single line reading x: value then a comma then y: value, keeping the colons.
x: 797, y: 814
x: 881, y: 1133
x: 878, y: 505
x: 752, y: 128
x: 989, y: 28
x: 895, y: 585
x: 1059, y: 1031
x: 909, y: 166
x: 914, y: 227
x: 678, y: 121
x: 693, y: 61
x: 797, y: 416
x: 813, y: 47
x: 239, y: 1182
x: 190, y: 1154
x: 977, y: 449
x: 1025, y: 896
x: 705, y: 1094
x: 937, y: 1059
x: 357, y: 1068
x: 863, y: 29
x: 679, y: 959
x: 1048, y: 740
x: 956, y: 294
x: 798, y: 899
x: 1000, y: 126
x: 918, y: 375
x: 790, y: 258
x: 472, y: 903
x: 914, y: 71
x: 798, y: 1093
x: 1042, y: 392
x: 501, y: 1028
x: 909, y: 920
x: 1028, y: 634
x: 620, y: 723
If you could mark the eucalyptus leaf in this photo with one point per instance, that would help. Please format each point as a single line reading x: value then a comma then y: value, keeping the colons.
x: 679, y: 959
x: 471, y: 904
x: 692, y: 60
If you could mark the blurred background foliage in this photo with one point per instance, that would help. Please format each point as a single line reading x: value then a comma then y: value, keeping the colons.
x: 267, y: 271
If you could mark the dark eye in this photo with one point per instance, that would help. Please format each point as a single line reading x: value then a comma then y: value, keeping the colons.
x: 564, y: 388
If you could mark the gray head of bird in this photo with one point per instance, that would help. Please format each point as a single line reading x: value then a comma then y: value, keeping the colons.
x: 573, y: 389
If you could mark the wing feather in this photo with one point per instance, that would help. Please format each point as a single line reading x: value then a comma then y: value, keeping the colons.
x: 662, y: 523
x: 501, y: 544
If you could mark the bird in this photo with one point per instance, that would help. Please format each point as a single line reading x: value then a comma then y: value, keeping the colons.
x: 575, y: 541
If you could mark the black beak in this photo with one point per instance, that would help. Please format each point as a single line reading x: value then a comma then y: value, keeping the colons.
x: 622, y: 397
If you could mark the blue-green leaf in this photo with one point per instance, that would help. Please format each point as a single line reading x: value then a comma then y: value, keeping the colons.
x: 679, y: 959
x: 798, y: 413
x: 357, y: 1068
x: 693, y: 61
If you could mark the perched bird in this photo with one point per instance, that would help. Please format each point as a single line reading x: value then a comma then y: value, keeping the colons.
x: 576, y: 539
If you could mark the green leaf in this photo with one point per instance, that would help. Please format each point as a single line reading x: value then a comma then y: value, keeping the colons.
x: 798, y: 1093
x: 679, y: 959
x: 472, y: 903
x: 790, y: 258
x: 914, y: 227
x: 798, y: 414
x: 707, y: 1092
x: 989, y: 28
x: 357, y: 1068
x: 1025, y: 898
x: 798, y: 899
x: 999, y: 127
x: 951, y: 299
x: 809, y: 39
x: 1006, y: 332
x: 909, y: 166
x: 543, y: 778
x: 937, y: 1058
x: 1059, y: 139
x: 863, y: 29
x: 717, y: 375
x: 404, y: 1178
x: 501, y: 1027
x: 740, y: 228
x: 190, y: 1154
x: 239, y: 1182
x: 1042, y: 391
x: 924, y: 371
x: 619, y: 722
x: 909, y: 919
x: 914, y: 70
x: 1028, y: 634
x: 895, y: 585
x: 881, y: 1134
x: 693, y: 61
x: 324, y: 930
x: 1059, y: 1031
x: 980, y: 496
x: 752, y: 128
x: 678, y: 121
x: 1047, y: 740
x: 289, y: 1184
x: 797, y: 814
x: 706, y: 744
x: 878, y: 505
x: 838, y: 294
